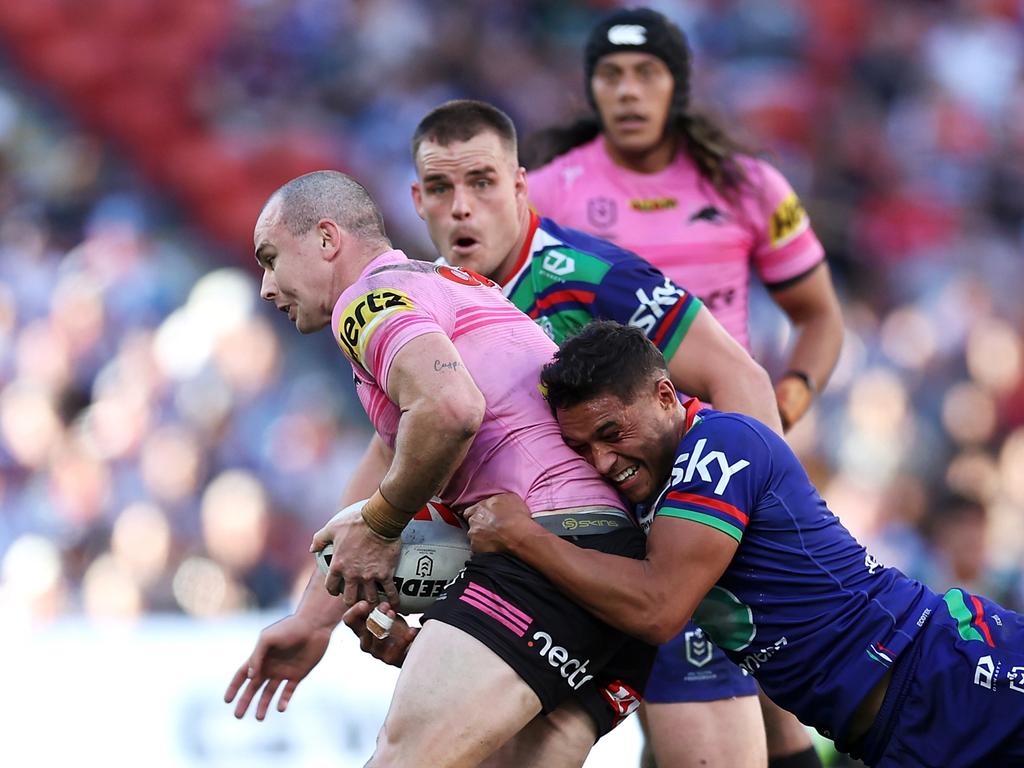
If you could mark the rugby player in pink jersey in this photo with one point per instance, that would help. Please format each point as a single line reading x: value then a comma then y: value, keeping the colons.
x: 501, y: 646
x: 653, y: 175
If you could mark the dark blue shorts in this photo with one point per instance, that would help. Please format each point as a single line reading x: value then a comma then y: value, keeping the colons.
x: 956, y: 697
x: 689, y: 667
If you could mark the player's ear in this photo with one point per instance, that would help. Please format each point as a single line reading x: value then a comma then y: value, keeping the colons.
x: 666, y: 393
x: 522, y: 188
x: 329, y: 237
x: 417, y: 199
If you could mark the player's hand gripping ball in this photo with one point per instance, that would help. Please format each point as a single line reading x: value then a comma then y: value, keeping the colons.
x: 435, y: 547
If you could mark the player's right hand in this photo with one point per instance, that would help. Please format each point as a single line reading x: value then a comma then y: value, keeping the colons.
x: 285, y: 652
x: 497, y: 523
x: 391, y: 650
x: 362, y: 564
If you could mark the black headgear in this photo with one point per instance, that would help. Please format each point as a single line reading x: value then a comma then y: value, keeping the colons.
x: 641, y: 30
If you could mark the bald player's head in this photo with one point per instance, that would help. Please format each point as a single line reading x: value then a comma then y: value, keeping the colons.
x: 306, y: 200
x: 313, y: 238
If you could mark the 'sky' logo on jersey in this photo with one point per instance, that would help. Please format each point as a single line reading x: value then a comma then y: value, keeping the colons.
x: 699, y: 462
x: 363, y: 316
x: 652, y: 308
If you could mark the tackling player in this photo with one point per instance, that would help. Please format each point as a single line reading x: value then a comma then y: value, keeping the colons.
x: 463, y: 423
x: 740, y: 539
x: 658, y: 177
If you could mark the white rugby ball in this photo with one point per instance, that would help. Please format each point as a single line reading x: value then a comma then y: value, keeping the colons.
x: 435, y: 547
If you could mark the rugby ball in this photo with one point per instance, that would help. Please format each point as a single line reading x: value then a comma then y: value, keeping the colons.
x: 435, y: 547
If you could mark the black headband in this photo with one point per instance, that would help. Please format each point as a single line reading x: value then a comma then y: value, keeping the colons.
x: 641, y: 30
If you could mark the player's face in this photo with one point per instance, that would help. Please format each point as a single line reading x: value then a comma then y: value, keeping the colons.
x: 472, y: 195
x: 631, y: 444
x: 294, y: 274
x: 633, y: 94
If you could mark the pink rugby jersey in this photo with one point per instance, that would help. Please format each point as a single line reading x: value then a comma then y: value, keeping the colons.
x: 518, y: 448
x: 675, y: 220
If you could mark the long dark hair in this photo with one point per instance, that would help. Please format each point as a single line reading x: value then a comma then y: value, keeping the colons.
x: 714, y: 151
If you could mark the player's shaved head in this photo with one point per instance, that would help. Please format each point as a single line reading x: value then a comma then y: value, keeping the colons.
x: 461, y: 120
x: 308, y: 199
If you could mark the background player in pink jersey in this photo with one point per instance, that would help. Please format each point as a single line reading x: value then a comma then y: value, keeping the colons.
x: 658, y: 178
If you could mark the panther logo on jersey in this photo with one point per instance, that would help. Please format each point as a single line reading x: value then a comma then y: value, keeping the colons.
x: 364, y: 315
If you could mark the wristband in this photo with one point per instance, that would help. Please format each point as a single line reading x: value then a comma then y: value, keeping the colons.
x: 384, y: 518
x: 804, y: 377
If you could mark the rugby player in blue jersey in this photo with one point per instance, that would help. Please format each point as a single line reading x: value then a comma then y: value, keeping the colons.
x: 739, y: 538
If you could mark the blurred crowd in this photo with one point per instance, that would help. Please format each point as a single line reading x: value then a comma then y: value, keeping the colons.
x: 166, y: 445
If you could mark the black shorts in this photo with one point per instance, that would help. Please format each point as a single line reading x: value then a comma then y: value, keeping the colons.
x: 557, y: 647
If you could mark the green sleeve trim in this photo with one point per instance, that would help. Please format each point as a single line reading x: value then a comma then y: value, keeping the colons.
x: 701, y: 517
x: 958, y: 609
x: 682, y: 329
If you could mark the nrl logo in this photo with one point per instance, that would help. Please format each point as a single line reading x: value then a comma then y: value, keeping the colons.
x: 698, y: 648
x: 601, y: 212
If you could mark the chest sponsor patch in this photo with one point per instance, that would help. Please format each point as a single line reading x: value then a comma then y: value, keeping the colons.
x: 364, y: 315
x: 788, y: 221
x: 646, y: 205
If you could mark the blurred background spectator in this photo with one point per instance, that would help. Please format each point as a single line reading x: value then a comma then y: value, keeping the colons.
x: 168, y: 446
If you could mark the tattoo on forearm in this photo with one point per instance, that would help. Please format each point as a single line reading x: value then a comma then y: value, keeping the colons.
x: 447, y: 365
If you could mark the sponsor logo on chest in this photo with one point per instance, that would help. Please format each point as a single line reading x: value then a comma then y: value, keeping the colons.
x: 652, y: 308
x: 699, y: 463
x: 362, y: 317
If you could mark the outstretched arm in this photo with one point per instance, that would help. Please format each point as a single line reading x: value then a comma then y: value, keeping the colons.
x: 813, y: 309
x: 650, y: 599
x: 710, y: 364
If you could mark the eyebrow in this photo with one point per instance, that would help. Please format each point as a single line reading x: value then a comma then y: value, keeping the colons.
x: 481, y: 171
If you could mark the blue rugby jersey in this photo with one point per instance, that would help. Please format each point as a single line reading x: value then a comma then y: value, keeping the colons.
x: 565, y: 279
x: 802, y: 606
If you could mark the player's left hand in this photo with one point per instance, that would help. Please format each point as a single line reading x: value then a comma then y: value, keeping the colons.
x: 794, y: 398
x: 362, y: 563
x: 497, y: 523
x: 394, y: 647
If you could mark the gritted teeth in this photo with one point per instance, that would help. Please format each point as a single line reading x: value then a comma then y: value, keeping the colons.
x: 625, y: 474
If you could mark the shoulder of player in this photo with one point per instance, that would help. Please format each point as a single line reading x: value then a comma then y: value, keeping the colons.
x: 729, y: 428
x: 583, y: 244
x: 572, y: 254
x: 578, y: 154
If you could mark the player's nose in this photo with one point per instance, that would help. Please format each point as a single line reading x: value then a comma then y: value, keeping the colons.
x: 602, y: 458
x: 460, y: 203
x: 268, y: 286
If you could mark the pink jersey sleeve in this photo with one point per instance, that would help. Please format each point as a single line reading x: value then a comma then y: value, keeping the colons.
x: 785, y: 244
x: 372, y: 322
